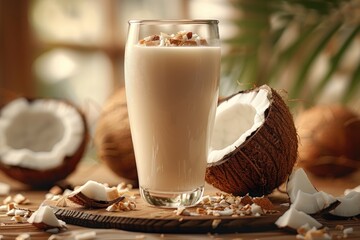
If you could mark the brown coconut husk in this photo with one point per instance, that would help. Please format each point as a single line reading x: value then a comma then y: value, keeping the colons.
x: 113, y: 137
x: 43, y: 179
x: 264, y: 161
x: 329, y: 140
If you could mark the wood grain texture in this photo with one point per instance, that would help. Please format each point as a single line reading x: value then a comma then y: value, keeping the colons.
x: 150, y: 219
x: 160, y: 220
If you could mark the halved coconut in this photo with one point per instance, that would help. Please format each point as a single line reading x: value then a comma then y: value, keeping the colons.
x: 254, y: 143
x: 41, y: 140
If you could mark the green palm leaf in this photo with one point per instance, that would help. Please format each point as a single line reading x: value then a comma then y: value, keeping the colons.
x: 258, y: 54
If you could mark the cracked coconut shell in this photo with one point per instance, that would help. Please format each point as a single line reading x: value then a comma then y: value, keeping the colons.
x: 263, y: 149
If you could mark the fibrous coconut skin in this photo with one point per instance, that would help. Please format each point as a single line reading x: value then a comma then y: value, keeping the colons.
x: 266, y: 158
x: 113, y: 137
x: 329, y: 140
x: 46, y: 177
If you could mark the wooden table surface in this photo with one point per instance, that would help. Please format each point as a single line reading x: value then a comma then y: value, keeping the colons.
x: 92, y: 170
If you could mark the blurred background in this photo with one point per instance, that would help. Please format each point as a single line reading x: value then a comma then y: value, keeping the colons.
x: 73, y: 49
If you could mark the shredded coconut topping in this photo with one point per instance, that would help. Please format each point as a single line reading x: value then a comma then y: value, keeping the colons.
x: 182, y: 38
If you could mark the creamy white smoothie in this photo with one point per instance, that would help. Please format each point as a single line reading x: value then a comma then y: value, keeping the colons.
x: 172, y: 94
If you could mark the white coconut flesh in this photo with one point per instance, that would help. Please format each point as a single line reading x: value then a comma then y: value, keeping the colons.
x: 236, y: 119
x: 349, y: 205
x: 299, y: 181
x: 93, y: 190
x: 294, y: 219
x: 39, y: 134
x: 45, y: 215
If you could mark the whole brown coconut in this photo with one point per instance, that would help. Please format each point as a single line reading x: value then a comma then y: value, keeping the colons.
x: 46, y: 177
x: 265, y: 158
x: 329, y: 140
x: 113, y: 137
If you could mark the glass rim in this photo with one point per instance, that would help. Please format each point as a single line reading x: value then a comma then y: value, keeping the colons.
x: 169, y: 21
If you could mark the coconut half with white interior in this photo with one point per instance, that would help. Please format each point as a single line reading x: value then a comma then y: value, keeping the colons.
x: 254, y: 143
x: 41, y: 140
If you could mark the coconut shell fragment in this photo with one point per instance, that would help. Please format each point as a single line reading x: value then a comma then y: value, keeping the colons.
x: 83, y: 200
x: 113, y: 137
x: 267, y: 156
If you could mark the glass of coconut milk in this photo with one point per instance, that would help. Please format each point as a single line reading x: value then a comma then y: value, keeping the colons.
x: 172, y: 71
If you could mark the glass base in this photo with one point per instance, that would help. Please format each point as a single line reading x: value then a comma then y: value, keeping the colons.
x: 172, y: 200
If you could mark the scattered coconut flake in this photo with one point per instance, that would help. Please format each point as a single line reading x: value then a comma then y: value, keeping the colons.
x: 3, y: 208
x: 4, y: 189
x: 93, y: 190
x: 85, y: 235
x: 313, y: 203
x: 11, y: 212
x: 126, y: 204
x: 356, y: 189
x: 53, y: 230
x: 11, y: 206
x: 18, y: 219
x: 256, y: 209
x: 44, y: 218
x: 348, y: 230
x: 224, y: 204
x: 23, y: 236
x: 112, y: 193
x: 295, y: 219
x: 93, y: 195
x: 21, y: 199
x: 299, y: 181
x: 320, y: 234
x: 349, y: 205
x: 181, y: 210
x: 215, y: 223
x: 303, y: 229
x: 56, y: 190
x: 7, y: 200
x: 339, y: 227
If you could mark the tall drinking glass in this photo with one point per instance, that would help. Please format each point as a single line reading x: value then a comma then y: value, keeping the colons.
x: 172, y: 71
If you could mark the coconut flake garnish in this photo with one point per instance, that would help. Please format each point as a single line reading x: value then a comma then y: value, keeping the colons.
x: 58, y: 125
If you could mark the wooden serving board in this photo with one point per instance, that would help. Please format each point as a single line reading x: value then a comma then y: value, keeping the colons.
x: 146, y: 218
